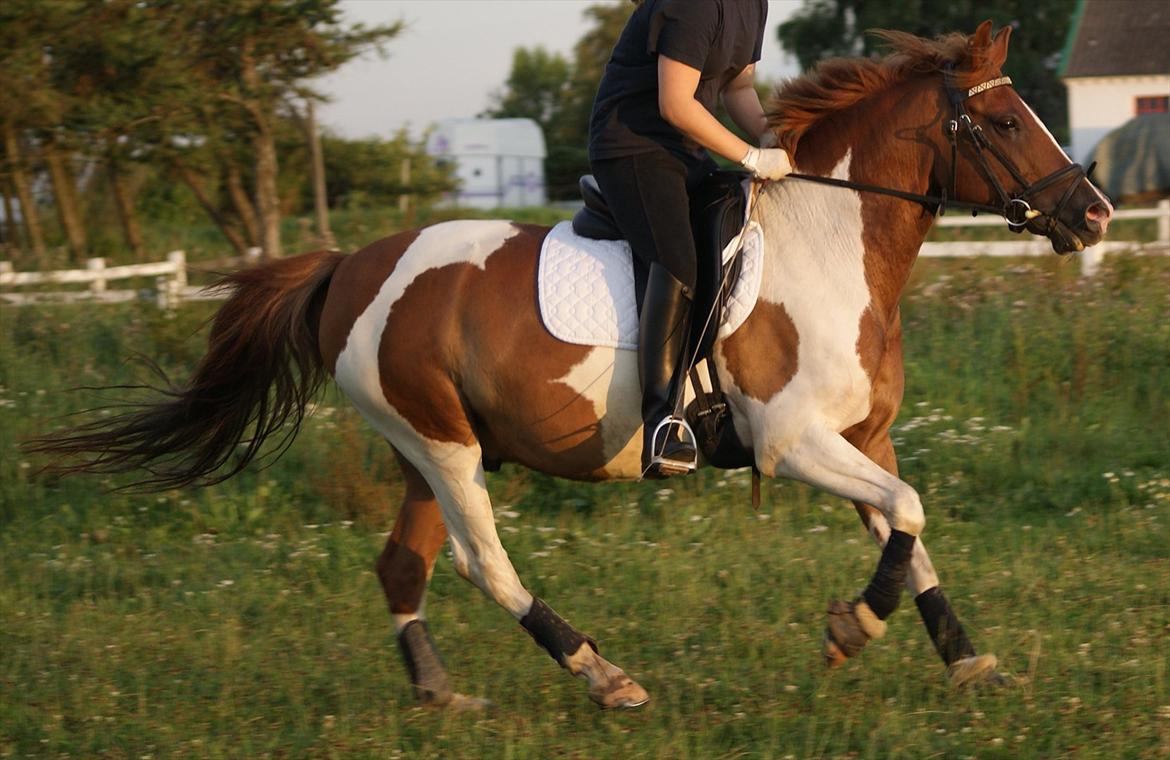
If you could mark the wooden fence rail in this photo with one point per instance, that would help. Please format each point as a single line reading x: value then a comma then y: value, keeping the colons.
x: 171, y: 286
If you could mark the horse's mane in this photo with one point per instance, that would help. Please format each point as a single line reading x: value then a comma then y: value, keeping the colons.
x: 838, y: 83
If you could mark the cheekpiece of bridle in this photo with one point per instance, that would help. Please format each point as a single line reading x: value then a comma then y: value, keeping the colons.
x: 1015, y: 207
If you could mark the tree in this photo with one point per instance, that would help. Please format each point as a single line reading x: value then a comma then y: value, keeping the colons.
x: 559, y: 96
x: 537, y: 89
x: 366, y: 172
x: 27, y: 99
x: 255, y: 58
x: 827, y: 28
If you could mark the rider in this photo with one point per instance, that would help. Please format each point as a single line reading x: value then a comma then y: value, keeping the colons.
x: 649, y: 133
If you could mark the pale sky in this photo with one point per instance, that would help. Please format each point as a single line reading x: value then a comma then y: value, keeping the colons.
x: 455, y: 53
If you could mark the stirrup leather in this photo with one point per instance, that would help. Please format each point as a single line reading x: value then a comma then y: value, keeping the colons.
x: 686, y: 436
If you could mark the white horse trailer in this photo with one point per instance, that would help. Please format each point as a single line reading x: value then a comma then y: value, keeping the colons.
x: 498, y: 162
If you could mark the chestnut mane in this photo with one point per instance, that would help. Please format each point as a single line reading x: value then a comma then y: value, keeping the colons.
x: 838, y: 83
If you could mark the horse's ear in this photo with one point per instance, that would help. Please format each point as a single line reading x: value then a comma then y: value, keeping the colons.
x: 988, y: 52
x: 997, y: 51
x: 982, y: 37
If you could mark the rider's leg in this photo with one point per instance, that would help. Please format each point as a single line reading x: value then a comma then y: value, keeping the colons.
x: 648, y: 196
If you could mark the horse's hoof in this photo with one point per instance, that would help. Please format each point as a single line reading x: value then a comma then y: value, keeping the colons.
x: 623, y: 693
x: 850, y: 627
x: 977, y: 670
x: 464, y: 703
x: 451, y: 700
x: 834, y: 657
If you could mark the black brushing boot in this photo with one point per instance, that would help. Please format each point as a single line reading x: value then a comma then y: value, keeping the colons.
x: 664, y: 327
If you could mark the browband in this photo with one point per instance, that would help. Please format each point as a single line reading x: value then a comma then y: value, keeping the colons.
x: 988, y: 85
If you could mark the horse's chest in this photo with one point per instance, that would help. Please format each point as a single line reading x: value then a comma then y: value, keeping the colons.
x: 812, y: 307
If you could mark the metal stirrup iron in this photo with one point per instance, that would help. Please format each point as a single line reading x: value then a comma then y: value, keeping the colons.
x: 686, y: 435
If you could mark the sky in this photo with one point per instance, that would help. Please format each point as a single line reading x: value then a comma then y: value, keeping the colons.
x: 454, y: 54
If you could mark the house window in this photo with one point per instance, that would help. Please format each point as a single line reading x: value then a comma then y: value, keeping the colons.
x: 1153, y: 104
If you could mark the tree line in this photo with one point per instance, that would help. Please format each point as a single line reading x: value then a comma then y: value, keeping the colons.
x: 107, y: 105
x: 115, y: 109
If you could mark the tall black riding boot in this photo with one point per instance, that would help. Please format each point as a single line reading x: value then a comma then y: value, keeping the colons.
x: 664, y: 326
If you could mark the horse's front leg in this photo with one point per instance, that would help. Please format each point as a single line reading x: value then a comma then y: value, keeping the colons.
x: 825, y: 459
x: 964, y: 666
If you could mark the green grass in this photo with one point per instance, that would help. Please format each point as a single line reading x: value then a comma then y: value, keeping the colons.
x: 244, y: 620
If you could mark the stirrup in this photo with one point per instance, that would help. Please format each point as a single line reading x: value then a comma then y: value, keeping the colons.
x: 670, y: 467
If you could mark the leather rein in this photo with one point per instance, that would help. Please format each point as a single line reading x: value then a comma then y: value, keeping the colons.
x: 1015, y: 208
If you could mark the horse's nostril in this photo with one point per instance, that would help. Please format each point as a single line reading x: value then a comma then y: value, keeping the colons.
x: 1097, y: 217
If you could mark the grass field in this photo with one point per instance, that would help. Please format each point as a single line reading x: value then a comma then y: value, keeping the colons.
x: 244, y: 620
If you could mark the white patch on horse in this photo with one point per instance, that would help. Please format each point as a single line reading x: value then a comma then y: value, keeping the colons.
x: 815, y: 269
x: 453, y: 470
x: 608, y: 379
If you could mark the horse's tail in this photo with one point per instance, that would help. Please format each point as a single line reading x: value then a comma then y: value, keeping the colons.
x: 262, y: 368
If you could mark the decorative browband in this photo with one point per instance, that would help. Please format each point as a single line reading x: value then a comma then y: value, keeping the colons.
x: 988, y: 85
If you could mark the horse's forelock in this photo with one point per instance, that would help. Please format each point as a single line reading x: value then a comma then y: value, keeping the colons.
x: 838, y: 83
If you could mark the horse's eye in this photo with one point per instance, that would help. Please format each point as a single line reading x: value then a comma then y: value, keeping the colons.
x: 1008, y: 124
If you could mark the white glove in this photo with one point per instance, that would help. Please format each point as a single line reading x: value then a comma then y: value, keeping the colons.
x: 767, y: 163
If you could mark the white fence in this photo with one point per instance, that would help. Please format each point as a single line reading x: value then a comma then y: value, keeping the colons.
x: 1091, y: 258
x: 170, y: 283
x: 171, y: 286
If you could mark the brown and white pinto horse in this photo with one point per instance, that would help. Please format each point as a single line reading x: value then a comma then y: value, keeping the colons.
x: 435, y: 336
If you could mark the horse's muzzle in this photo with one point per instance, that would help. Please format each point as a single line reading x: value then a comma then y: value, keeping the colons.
x: 1069, y: 236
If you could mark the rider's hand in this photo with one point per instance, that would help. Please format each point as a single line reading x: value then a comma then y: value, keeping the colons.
x: 767, y: 163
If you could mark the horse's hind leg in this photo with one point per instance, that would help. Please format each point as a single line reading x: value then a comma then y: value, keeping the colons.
x: 404, y: 568
x: 455, y: 473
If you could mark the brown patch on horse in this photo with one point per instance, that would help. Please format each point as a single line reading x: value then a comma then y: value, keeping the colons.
x: 523, y: 415
x: 413, y: 545
x: 355, y: 284
x: 839, y: 83
x: 484, y: 372
x: 762, y: 373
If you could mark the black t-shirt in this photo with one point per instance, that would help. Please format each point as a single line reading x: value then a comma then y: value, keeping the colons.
x: 720, y: 38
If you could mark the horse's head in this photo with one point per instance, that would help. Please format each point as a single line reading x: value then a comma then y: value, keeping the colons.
x: 1007, y: 158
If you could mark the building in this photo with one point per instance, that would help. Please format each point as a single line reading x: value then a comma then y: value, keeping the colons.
x: 1116, y: 66
x: 498, y: 162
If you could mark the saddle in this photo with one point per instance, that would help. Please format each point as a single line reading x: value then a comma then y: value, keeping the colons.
x: 718, y: 210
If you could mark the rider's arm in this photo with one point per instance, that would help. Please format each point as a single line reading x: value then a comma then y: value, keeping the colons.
x: 677, y: 83
x: 743, y: 103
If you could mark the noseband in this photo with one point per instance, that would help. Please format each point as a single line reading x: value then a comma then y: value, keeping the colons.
x: 1016, y: 208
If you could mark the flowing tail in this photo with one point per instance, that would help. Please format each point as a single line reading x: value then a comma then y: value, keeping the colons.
x: 261, y: 370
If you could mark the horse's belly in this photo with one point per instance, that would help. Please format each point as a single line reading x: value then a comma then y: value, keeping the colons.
x: 580, y: 423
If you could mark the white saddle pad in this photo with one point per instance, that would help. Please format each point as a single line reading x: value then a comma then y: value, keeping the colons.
x: 586, y: 287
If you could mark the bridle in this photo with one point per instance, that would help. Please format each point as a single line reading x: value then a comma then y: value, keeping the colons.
x: 1016, y: 208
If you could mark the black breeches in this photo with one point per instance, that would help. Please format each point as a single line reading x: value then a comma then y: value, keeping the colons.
x: 648, y: 195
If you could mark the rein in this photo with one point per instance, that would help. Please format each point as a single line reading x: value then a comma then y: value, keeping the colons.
x: 1015, y: 208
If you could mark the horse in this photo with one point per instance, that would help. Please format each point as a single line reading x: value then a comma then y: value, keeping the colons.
x: 435, y: 336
